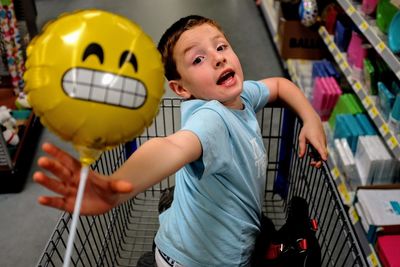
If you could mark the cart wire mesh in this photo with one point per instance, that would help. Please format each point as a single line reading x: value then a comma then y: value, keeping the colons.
x: 121, y: 236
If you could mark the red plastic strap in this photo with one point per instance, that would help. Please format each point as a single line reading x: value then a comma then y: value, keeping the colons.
x: 273, y: 251
x: 302, y: 243
x: 314, y: 224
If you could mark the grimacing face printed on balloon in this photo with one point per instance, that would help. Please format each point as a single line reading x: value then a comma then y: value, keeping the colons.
x: 105, y: 87
x: 94, y: 78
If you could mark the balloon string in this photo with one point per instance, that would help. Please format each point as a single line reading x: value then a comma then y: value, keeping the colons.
x: 75, y: 216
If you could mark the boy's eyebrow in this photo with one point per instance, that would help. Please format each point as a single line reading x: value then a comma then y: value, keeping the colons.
x: 195, y: 43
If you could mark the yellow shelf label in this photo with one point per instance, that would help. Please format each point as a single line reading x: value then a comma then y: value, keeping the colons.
x: 353, y: 215
x: 374, y: 112
x: 393, y: 142
x: 345, y: 194
x: 335, y: 173
x: 345, y: 65
x: 373, y: 260
x: 357, y: 86
x: 367, y: 101
x: 364, y: 26
x: 384, y: 129
x: 380, y: 47
x: 350, y: 10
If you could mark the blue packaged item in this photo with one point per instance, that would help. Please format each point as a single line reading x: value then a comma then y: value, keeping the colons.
x: 342, y: 35
x: 332, y: 71
x: 366, y: 124
x: 394, y: 34
x: 394, y: 119
x: 395, y: 88
x: 341, y: 129
x: 355, y: 130
x: 386, y: 100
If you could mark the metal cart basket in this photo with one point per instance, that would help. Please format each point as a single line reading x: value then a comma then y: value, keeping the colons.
x: 121, y: 236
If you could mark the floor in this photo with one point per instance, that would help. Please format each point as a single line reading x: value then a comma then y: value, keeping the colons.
x: 25, y: 226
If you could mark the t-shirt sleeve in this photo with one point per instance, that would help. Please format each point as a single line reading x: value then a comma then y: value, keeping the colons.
x: 213, y: 134
x: 256, y: 93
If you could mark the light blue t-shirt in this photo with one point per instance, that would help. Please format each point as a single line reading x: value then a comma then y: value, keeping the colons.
x: 215, y: 216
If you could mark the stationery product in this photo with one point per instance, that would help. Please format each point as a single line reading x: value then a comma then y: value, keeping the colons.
x: 346, y: 162
x: 356, y: 53
x: 394, y: 34
x: 366, y: 124
x: 374, y: 163
x: 387, y: 248
x: 381, y: 207
x: 394, y: 118
x: 384, y: 14
x: 369, y: 6
x: 370, y: 76
x: 342, y: 33
x: 386, y: 100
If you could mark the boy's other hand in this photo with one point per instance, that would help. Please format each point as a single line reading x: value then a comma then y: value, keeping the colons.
x: 101, y: 193
x: 313, y: 133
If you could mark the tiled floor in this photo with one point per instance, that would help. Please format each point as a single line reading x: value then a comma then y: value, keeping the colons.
x: 25, y: 227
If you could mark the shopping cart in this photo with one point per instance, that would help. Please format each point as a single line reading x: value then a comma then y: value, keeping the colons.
x: 121, y: 236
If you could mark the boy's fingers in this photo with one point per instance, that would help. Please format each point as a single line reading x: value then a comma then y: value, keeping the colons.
x: 53, y: 184
x: 61, y: 155
x: 120, y: 186
x: 302, y: 146
x: 57, y: 168
x: 54, y: 202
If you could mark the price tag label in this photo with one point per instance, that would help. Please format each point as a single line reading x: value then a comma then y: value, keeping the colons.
x: 335, y: 173
x: 345, y: 194
x: 357, y: 87
x: 374, y: 112
x: 372, y: 260
x: 380, y: 47
x: 384, y: 129
x: 393, y: 143
x: 350, y: 10
x: 367, y: 101
x: 353, y: 215
x: 364, y: 26
x: 345, y: 65
x: 332, y: 47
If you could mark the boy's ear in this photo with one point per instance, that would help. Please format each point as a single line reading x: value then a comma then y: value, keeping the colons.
x: 179, y: 89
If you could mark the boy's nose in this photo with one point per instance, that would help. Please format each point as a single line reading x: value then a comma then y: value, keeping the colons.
x: 220, y: 60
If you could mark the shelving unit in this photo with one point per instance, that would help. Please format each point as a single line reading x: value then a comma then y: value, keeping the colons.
x: 391, y: 138
x: 14, y: 166
x: 372, y: 33
x: 300, y: 75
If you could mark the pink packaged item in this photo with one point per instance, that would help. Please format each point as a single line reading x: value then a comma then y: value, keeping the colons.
x: 387, y: 248
x: 369, y: 6
x: 356, y: 53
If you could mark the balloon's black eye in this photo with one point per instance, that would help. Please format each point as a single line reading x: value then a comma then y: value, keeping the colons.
x: 128, y: 57
x: 94, y: 49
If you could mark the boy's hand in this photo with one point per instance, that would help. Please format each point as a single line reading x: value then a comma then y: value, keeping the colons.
x: 101, y: 194
x: 313, y: 133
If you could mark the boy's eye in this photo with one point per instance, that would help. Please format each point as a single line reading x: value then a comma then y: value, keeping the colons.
x: 221, y: 47
x: 197, y: 60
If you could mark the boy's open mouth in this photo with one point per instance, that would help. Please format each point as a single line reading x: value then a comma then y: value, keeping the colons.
x: 225, y: 76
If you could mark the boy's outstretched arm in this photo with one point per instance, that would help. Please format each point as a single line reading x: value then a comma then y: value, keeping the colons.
x: 152, y: 162
x: 312, y: 131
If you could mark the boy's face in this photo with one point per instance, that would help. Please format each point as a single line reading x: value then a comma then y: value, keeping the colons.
x: 208, y: 66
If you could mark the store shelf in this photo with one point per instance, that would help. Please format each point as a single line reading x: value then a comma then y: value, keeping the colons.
x: 375, y: 37
x: 392, y: 139
x: 271, y: 14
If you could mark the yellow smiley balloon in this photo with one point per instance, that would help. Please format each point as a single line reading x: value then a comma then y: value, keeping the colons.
x: 94, y: 78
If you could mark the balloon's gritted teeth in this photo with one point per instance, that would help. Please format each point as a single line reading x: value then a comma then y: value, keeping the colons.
x: 104, y: 87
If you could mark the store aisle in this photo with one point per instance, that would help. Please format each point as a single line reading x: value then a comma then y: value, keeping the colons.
x: 25, y: 227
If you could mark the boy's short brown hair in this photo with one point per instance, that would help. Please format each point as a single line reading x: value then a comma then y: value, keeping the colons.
x: 171, y: 37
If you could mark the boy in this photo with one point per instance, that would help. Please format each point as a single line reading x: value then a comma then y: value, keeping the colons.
x: 218, y: 155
